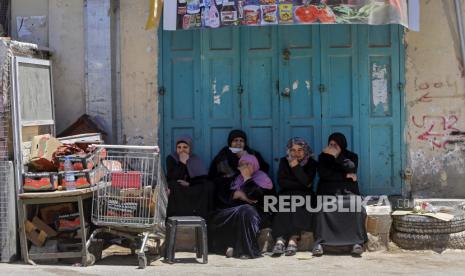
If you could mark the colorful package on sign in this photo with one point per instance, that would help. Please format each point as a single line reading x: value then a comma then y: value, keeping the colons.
x: 306, y: 14
x: 229, y: 13
x: 251, y: 15
x: 285, y: 13
x: 267, y: 2
x: 269, y: 14
x: 193, y: 6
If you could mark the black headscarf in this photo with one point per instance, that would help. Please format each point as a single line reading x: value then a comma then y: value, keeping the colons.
x: 194, y: 164
x: 346, y: 157
x: 340, y: 139
x: 235, y: 134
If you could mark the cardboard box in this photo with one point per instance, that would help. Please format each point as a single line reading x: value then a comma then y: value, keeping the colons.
x: 82, y: 162
x: 85, y: 178
x: 42, y: 149
x: 40, y: 182
x: 44, y: 227
x: 37, y: 231
x: 49, y: 213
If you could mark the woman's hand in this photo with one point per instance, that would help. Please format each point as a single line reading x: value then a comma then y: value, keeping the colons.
x: 332, y: 151
x: 242, y: 196
x: 242, y: 153
x: 353, y: 176
x: 183, y: 157
x: 246, y: 172
x: 293, y: 162
x: 183, y: 183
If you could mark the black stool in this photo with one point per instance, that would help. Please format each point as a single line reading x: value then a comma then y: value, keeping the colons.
x: 200, y: 226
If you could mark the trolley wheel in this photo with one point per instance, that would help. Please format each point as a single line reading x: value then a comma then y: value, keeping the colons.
x: 90, y: 259
x: 142, y: 262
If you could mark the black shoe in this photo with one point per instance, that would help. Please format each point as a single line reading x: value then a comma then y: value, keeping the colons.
x: 291, y: 250
x: 317, y: 250
x: 278, y: 249
x: 357, y: 250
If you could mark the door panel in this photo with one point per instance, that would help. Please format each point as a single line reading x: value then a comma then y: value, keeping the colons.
x: 299, y: 73
x: 221, y: 80
x: 260, y: 100
x: 181, y: 75
x: 380, y: 109
x: 339, y: 75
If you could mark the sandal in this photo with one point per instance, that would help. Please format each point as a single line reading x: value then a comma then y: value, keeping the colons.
x: 229, y: 252
x: 278, y: 249
x: 317, y: 250
x: 357, y: 250
x: 291, y: 250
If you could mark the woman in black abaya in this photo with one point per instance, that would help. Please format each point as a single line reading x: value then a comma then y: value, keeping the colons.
x: 190, y: 190
x: 295, y: 178
x: 223, y: 168
x: 233, y: 229
x: 337, y: 169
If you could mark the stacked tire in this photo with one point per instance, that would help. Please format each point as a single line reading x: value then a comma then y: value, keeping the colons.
x: 416, y: 232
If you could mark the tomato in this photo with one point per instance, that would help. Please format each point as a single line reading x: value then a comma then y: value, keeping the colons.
x: 326, y: 15
x: 307, y: 14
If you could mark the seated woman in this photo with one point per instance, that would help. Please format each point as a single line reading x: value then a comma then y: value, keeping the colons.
x: 190, y: 190
x: 337, y: 169
x: 223, y: 168
x: 295, y: 177
x: 233, y: 230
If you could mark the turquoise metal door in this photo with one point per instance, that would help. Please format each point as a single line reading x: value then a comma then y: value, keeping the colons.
x: 380, y: 109
x: 360, y: 98
x: 283, y: 81
x: 299, y: 80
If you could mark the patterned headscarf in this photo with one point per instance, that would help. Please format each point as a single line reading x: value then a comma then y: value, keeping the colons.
x: 308, y: 152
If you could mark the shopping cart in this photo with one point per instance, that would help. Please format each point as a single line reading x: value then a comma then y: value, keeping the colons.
x: 131, y: 197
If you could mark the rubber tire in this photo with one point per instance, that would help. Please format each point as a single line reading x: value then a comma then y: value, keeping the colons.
x: 429, y: 241
x: 416, y: 224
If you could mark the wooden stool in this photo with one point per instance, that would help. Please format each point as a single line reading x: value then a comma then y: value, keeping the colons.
x: 200, y: 227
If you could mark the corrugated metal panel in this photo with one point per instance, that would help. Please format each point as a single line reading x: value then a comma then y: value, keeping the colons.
x: 7, y: 188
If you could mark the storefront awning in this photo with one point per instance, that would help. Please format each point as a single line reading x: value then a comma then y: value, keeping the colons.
x: 199, y: 14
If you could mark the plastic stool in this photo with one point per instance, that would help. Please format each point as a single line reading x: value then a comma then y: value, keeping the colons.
x: 200, y: 236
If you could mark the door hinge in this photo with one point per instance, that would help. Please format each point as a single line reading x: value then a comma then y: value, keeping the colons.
x: 322, y: 88
x: 401, y: 86
x: 240, y: 89
x: 161, y: 91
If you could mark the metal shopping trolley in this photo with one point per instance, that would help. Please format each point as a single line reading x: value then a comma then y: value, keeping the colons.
x: 131, y: 196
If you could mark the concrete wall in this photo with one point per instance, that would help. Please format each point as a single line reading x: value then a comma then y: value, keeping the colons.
x: 30, y: 8
x: 139, y: 98
x: 63, y: 33
x: 66, y: 32
x: 435, y: 103
x: 434, y: 92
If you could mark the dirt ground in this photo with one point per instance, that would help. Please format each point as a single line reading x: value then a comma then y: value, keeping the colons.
x: 118, y: 261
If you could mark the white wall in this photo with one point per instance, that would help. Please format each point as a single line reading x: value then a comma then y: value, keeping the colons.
x: 64, y: 35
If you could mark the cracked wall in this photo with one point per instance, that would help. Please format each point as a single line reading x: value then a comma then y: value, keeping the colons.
x: 435, y: 104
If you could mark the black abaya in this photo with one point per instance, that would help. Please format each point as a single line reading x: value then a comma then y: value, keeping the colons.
x: 339, y: 228
x: 237, y: 223
x: 193, y: 200
x: 296, y: 181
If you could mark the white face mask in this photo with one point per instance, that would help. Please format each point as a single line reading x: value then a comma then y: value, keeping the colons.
x: 235, y: 150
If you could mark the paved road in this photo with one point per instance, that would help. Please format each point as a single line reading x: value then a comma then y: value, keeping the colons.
x: 377, y: 263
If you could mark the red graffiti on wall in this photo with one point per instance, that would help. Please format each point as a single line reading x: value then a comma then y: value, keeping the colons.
x: 439, y: 130
x: 435, y: 89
